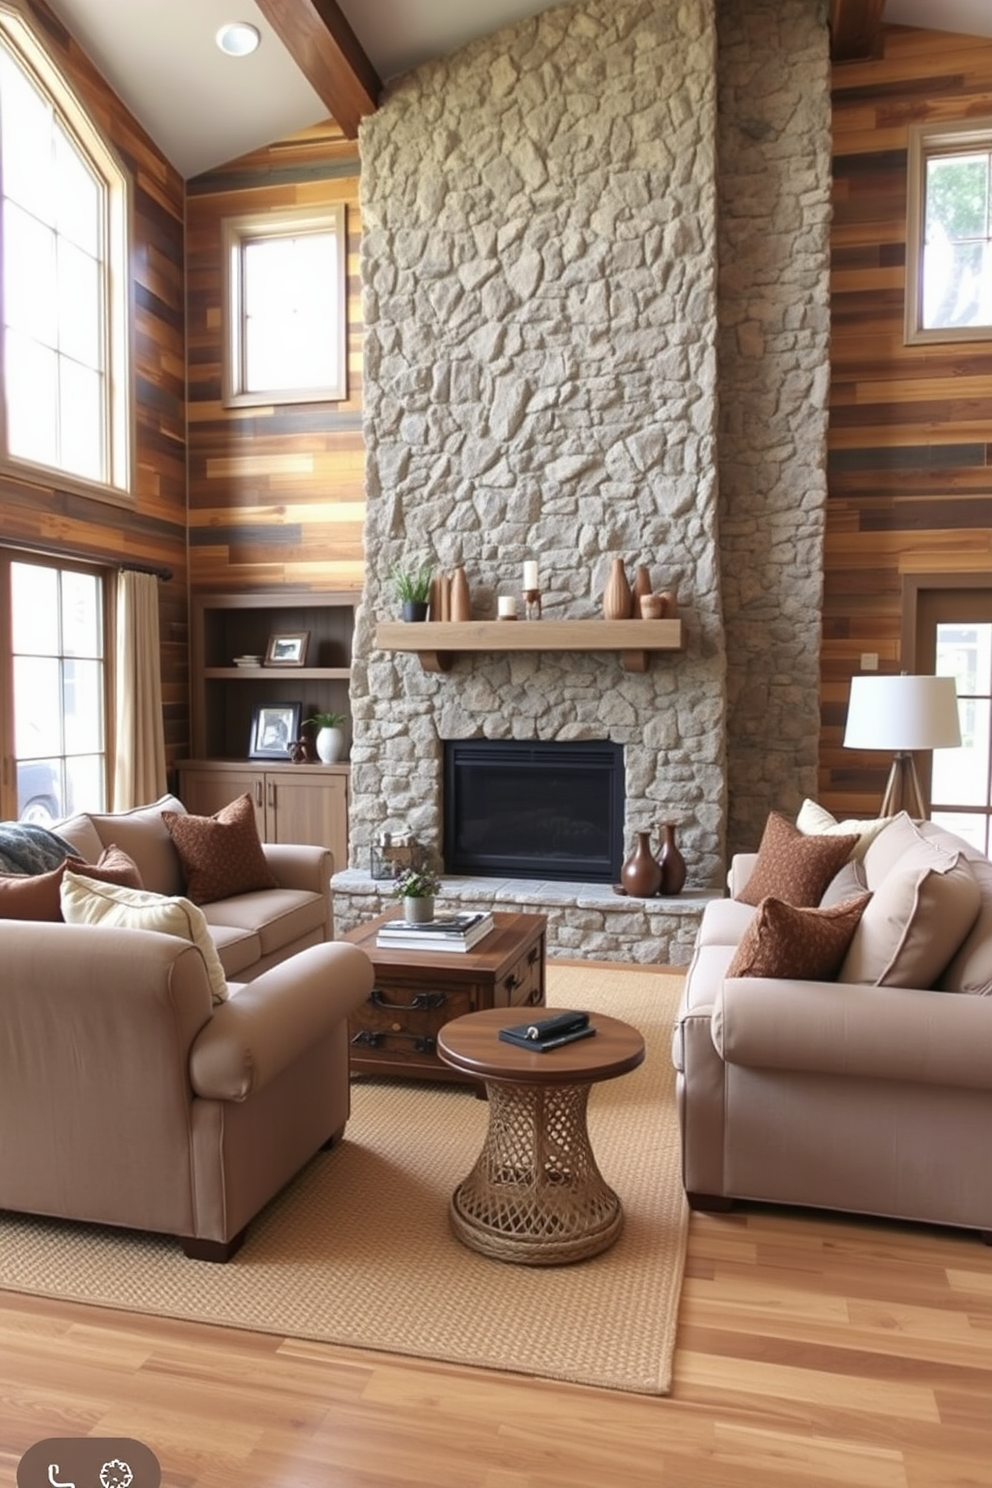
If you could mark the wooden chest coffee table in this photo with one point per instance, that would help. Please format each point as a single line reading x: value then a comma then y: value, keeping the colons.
x: 417, y: 992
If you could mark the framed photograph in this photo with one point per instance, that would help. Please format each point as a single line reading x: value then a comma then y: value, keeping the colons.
x: 274, y: 727
x: 288, y: 649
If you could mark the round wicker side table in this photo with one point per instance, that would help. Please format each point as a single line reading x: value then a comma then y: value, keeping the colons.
x: 535, y: 1195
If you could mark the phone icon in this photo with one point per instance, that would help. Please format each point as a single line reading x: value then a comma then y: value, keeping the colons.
x: 53, y: 1468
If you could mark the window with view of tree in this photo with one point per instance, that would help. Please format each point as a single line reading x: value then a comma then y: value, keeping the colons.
x: 64, y: 251
x: 285, y: 307
x: 56, y: 691
x: 949, y: 238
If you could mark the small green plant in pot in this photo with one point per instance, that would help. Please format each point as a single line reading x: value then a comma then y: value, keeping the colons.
x: 415, y: 888
x: 413, y: 588
x: 329, y: 740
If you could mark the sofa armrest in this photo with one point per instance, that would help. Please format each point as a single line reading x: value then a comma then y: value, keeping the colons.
x: 741, y: 868
x: 271, y: 1022
x: 295, y: 865
x: 884, y: 1033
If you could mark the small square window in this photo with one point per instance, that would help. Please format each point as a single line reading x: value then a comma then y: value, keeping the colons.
x: 949, y: 233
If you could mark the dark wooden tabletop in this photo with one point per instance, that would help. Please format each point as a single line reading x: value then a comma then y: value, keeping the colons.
x: 472, y: 1044
x: 511, y: 932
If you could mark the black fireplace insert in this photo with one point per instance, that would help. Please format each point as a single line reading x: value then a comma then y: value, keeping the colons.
x: 546, y: 810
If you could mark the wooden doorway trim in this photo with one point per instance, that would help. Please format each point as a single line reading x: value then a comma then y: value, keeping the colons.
x: 917, y: 584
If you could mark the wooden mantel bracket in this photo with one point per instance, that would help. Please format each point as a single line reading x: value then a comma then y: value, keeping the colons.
x: 439, y: 643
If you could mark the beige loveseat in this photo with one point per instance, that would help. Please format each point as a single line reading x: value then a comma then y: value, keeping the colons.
x: 130, y: 1096
x: 870, y: 1091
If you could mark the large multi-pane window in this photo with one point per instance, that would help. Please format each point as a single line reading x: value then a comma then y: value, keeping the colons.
x: 56, y: 692
x: 63, y: 283
x: 949, y: 234
x: 284, y: 305
x: 961, y: 782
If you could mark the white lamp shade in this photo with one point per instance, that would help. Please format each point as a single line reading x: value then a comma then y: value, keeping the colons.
x: 902, y: 713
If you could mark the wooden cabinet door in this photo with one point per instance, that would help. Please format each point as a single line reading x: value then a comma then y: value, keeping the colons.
x: 204, y: 792
x: 308, y: 807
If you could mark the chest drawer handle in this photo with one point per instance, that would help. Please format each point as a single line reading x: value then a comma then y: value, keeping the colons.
x: 512, y: 982
x: 420, y: 1001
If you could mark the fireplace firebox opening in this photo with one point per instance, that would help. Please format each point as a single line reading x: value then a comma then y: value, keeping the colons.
x: 548, y: 810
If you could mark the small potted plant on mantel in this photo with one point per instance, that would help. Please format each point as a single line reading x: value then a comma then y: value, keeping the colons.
x: 413, y: 589
x: 415, y: 888
x: 329, y: 740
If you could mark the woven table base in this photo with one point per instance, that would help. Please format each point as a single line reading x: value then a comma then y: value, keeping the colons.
x: 535, y: 1196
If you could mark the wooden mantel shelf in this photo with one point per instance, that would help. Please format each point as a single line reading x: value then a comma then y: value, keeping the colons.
x: 439, y: 642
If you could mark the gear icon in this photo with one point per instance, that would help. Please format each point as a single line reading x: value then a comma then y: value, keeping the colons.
x: 116, y: 1474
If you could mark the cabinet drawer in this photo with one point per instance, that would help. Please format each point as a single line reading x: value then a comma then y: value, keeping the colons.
x: 523, y: 984
x: 403, y: 1021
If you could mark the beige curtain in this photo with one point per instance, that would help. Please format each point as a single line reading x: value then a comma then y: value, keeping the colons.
x: 139, y: 769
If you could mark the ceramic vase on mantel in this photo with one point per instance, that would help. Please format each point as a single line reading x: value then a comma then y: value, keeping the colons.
x: 461, y: 598
x: 617, y: 597
x: 641, y: 590
x: 329, y: 745
x: 670, y: 862
x: 641, y: 872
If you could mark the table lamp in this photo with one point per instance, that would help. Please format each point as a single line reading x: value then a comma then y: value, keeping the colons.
x: 902, y: 714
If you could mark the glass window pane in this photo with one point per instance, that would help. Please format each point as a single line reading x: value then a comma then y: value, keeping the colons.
x: 31, y: 382
x: 29, y: 276
x: 957, y: 196
x: 79, y: 197
x: 953, y: 292
x: 39, y: 791
x: 961, y: 776
x: 83, y: 700
x: 81, y: 429
x: 290, y: 305
x: 34, y: 609
x: 37, y: 707
x: 28, y: 169
x: 85, y: 788
x: 82, y: 627
x: 80, y: 312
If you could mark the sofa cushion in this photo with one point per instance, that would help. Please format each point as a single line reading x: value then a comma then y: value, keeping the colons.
x: 143, y: 836
x: 221, y: 855
x: 277, y: 917
x: 784, y: 940
x: 816, y: 821
x: 847, y: 883
x: 238, y: 949
x: 36, y: 896
x: 919, y: 915
x: 794, y: 867
x: 970, y: 971
x: 86, y: 901
x: 899, y: 837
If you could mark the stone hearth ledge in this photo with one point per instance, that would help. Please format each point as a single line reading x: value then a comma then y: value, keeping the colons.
x: 584, y: 920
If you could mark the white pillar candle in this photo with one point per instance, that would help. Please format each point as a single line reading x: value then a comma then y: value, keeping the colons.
x: 507, y: 606
x: 530, y: 574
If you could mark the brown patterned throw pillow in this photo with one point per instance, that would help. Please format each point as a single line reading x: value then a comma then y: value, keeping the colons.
x: 36, y: 897
x: 793, y: 867
x: 808, y: 944
x: 221, y: 854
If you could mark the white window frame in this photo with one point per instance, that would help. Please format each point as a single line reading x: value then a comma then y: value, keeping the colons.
x: 237, y: 232
x: 20, y: 37
x: 925, y: 142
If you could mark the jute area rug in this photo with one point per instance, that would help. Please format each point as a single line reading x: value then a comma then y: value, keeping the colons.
x: 357, y: 1250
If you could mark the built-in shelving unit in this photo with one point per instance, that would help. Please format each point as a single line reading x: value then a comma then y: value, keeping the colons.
x: 438, y: 643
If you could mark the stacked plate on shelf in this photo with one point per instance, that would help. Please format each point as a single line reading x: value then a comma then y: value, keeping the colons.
x: 247, y: 661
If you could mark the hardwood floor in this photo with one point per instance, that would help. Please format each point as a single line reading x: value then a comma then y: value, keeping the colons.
x: 812, y: 1350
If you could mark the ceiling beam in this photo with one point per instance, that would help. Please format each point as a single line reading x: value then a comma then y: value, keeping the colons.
x: 855, y: 30
x: 320, y: 41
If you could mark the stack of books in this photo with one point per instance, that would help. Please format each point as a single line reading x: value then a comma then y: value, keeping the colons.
x: 457, y: 932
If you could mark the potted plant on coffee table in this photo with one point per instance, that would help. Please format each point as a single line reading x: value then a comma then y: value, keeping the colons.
x: 413, y: 588
x: 329, y: 740
x: 415, y: 889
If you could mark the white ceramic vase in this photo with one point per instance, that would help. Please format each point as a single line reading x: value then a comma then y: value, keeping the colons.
x: 330, y: 745
x: 417, y: 911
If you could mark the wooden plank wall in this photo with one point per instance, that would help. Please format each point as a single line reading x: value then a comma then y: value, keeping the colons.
x: 276, y: 494
x: 153, y: 531
x: 910, y: 444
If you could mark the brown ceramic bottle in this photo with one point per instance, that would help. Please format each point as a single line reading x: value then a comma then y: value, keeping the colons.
x: 461, y: 599
x: 617, y: 598
x: 642, y: 588
x: 641, y: 873
x: 671, y: 863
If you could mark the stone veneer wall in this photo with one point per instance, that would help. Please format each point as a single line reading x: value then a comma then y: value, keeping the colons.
x: 539, y: 271
x: 774, y: 133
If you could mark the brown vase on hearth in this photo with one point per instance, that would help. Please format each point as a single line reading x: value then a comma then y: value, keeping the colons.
x: 641, y: 873
x: 617, y: 598
x: 670, y: 862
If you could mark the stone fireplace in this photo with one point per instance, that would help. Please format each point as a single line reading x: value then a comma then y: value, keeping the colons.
x: 588, y: 336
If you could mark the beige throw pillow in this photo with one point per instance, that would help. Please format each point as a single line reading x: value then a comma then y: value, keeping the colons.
x: 86, y: 901
x: 815, y: 820
x: 918, y: 916
x: 807, y: 944
x: 793, y: 867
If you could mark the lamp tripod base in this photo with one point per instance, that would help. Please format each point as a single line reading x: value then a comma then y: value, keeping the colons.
x: 902, y: 790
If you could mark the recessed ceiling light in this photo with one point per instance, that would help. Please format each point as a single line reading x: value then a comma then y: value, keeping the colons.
x: 238, y: 39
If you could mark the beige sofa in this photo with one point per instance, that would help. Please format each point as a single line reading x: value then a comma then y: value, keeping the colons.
x: 129, y: 1096
x: 253, y: 931
x: 870, y: 1092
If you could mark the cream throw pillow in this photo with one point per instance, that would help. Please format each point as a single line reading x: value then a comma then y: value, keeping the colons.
x: 85, y: 901
x: 815, y: 820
